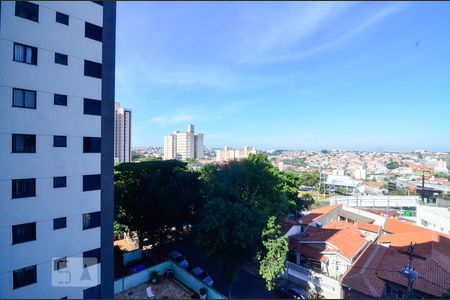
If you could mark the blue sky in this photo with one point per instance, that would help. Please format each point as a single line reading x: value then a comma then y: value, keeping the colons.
x: 287, y: 75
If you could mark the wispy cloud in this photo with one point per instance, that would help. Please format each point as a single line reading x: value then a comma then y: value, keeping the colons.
x: 302, y: 31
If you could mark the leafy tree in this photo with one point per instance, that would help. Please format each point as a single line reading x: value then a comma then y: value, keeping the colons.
x: 240, y: 197
x: 229, y: 231
x: 254, y: 181
x: 157, y: 199
x: 273, y: 261
x: 446, y: 295
x: 392, y: 165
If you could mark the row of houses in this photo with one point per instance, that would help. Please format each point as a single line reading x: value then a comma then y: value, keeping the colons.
x: 343, y: 252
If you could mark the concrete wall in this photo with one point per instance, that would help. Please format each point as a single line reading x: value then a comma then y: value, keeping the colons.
x: 376, y: 201
x: 328, y: 287
x: 181, y: 274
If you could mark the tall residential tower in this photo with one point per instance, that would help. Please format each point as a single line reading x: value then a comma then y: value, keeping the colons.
x: 56, y: 154
x: 122, y: 134
x: 184, y: 145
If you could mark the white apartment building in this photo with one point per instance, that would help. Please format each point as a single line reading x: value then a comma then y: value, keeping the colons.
x: 433, y: 218
x: 122, y: 134
x: 184, y: 145
x: 228, y: 153
x: 56, y: 154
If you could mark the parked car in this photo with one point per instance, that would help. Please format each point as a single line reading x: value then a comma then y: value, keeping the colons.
x: 202, y: 275
x: 287, y: 292
x: 179, y: 259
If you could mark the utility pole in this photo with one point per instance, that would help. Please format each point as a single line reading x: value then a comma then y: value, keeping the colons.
x: 409, y: 272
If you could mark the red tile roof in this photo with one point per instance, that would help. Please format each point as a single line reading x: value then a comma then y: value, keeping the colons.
x: 362, y: 276
x: 341, y: 235
x: 396, y: 226
x: 367, y: 226
x: 377, y: 264
x: 317, y: 213
x: 307, y: 251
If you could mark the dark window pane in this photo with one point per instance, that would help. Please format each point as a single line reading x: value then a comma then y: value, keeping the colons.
x: 91, y: 257
x: 91, y: 145
x: 59, y: 223
x: 91, y: 182
x: 24, y: 276
x: 59, y: 264
x: 92, y: 69
x: 22, y: 188
x: 60, y: 99
x: 23, y: 233
x: 91, y: 220
x: 27, y: 10
x: 24, y: 143
x: 61, y: 59
x: 59, y: 141
x: 25, y: 54
x: 98, y: 2
x: 62, y: 18
x: 92, y: 107
x: 59, y: 182
x: 93, y: 31
x: 24, y: 98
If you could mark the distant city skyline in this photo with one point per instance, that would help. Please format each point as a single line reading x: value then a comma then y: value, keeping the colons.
x: 287, y: 75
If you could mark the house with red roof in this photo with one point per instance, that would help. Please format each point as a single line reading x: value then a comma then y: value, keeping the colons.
x: 376, y: 273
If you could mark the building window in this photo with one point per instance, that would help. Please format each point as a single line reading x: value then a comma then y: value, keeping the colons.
x: 23, y: 188
x: 91, y: 257
x: 61, y: 59
x: 60, y: 263
x: 27, y: 10
x: 98, y: 2
x: 23, y: 143
x: 25, y: 54
x: 93, y: 31
x: 91, y: 182
x: 92, y: 107
x: 92, y: 69
x: 91, y: 144
x: 59, y: 223
x: 59, y: 141
x: 62, y: 18
x: 91, y: 220
x: 25, y: 276
x: 24, y: 98
x: 23, y: 233
x: 59, y: 182
x: 60, y: 99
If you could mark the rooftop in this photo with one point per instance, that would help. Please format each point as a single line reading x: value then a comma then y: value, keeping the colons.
x: 165, y: 289
x: 344, y: 236
x: 378, y: 264
x: 317, y: 213
x: 397, y: 226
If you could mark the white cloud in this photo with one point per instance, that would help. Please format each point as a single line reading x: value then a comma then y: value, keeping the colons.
x: 165, y: 120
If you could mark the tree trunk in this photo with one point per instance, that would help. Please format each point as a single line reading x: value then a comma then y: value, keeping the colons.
x: 140, y: 239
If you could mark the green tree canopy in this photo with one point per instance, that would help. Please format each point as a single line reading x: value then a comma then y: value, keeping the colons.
x: 153, y: 197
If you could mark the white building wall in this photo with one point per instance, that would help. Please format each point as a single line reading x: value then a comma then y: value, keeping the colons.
x: 433, y: 218
x: 48, y: 78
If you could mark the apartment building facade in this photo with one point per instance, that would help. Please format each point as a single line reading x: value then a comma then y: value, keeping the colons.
x: 56, y: 131
x: 184, y: 145
x: 228, y: 153
x: 122, y: 134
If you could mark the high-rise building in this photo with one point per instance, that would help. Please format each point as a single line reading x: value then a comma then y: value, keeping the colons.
x: 184, y: 145
x: 228, y: 153
x: 56, y: 159
x: 122, y: 134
